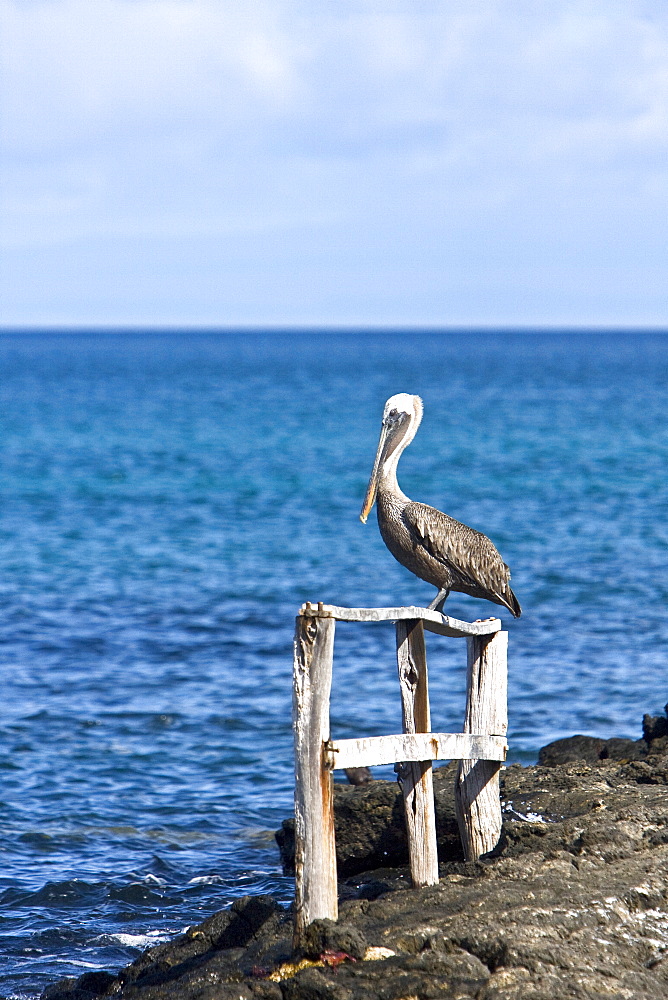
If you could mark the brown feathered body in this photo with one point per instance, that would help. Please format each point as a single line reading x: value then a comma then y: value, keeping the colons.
x: 443, y: 551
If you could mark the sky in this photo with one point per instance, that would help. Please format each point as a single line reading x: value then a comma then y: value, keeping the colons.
x: 333, y: 163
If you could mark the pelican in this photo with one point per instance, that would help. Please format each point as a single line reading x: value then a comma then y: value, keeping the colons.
x: 434, y: 546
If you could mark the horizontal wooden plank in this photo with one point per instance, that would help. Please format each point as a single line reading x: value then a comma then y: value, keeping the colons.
x: 370, y: 750
x: 433, y: 620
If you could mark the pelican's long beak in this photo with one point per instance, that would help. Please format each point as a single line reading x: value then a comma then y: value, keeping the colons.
x: 372, y: 488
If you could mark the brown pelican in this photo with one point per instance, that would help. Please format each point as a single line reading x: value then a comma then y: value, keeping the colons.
x: 434, y: 546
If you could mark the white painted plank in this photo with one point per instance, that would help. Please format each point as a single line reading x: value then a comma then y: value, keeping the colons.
x: 433, y: 621
x: 368, y: 751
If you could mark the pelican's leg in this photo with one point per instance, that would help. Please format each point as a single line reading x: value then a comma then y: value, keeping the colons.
x: 439, y: 600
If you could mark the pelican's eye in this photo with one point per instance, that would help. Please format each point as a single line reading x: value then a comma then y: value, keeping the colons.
x: 394, y: 413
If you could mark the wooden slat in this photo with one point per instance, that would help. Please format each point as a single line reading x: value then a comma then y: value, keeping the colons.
x: 433, y: 621
x: 315, y: 851
x: 415, y: 777
x: 375, y: 750
x: 477, y: 799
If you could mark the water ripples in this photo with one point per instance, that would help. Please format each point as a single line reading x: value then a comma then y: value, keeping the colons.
x: 168, y: 502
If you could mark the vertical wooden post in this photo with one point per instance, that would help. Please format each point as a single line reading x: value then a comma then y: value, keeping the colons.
x: 416, y: 778
x: 477, y: 800
x: 315, y: 850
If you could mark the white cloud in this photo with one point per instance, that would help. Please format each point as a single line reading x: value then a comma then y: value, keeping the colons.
x: 452, y: 138
x: 79, y: 69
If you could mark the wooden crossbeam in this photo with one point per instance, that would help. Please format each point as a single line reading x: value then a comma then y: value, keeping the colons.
x: 433, y: 620
x: 374, y: 750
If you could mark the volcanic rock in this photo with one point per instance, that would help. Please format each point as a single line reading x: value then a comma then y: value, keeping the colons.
x: 574, y: 906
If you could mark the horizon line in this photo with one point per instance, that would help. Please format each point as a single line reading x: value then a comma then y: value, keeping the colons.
x: 326, y: 328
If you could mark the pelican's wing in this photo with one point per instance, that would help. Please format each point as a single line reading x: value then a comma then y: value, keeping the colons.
x: 466, y: 552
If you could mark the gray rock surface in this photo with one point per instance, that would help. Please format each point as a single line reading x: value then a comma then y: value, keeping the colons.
x: 655, y: 727
x: 591, y: 749
x: 574, y: 905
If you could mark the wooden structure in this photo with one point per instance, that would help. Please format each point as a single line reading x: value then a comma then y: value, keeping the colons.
x: 480, y: 748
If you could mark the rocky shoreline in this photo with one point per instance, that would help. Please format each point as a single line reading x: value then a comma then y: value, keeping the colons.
x: 573, y: 903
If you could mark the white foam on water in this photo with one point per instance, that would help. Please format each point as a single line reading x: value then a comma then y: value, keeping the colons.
x: 137, y: 940
x: 83, y: 965
x: 154, y: 880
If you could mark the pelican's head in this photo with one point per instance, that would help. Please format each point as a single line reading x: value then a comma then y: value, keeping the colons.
x: 401, y: 419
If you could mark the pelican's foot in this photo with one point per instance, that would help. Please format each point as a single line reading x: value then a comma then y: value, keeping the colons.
x: 439, y: 601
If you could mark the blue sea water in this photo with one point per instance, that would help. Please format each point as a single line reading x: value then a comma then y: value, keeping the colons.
x: 167, y: 503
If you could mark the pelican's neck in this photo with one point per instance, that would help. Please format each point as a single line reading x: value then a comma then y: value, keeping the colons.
x: 388, y: 475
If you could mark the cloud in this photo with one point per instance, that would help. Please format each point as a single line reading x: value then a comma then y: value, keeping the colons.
x: 476, y: 144
x: 82, y: 71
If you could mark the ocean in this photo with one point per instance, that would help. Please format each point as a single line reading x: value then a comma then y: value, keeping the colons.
x: 168, y: 502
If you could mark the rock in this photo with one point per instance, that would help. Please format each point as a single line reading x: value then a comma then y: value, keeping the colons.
x: 574, y: 907
x: 60, y: 989
x: 97, y: 982
x: 358, y: 775
x: 591, y: 749
x: 86, y: 987
x: 227, y: 931
x: 624, y: 749
x: 311, y: 984
x: 654, y: 727
x: 587, y: 748
x: 250, y: 913
x: 330, y: 935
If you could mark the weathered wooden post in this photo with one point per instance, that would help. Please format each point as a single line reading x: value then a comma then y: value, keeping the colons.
x: 480, y: 748
x: 415, y: 777
x: 477, y: 800
x: 315, y: 852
